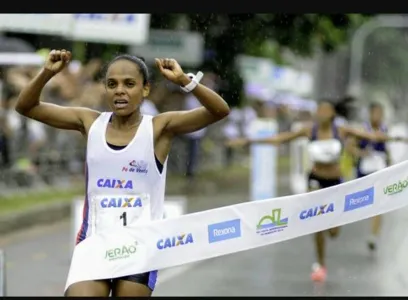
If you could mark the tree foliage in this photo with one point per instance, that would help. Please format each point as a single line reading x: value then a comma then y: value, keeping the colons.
x: 263, y: 35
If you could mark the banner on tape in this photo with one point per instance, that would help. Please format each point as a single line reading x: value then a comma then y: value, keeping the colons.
x: 212, y: 233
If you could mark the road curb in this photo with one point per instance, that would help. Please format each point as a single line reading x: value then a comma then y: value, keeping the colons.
x: 40, y: 214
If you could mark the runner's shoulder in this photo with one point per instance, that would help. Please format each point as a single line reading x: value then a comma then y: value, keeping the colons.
x: 307, y: 127
x: 161, y: 120
x: 87, y: 116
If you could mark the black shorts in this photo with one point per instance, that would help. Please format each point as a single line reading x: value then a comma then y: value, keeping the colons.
x: 148, y: 279
x: 315, y: 182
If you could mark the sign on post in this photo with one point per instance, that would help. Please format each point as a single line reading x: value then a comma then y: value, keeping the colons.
x: 2, y: 274
x: 398, y: 150
x: 184, y: 46
x: 174, y: 206
x: 299, y: 163
x: 52, y: 24
x: 263, y: 160
x: 127, y: 29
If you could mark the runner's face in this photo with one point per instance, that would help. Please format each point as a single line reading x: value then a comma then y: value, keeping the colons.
x: 325, y: 113
x: 376, y: 115
x: 124, y: 87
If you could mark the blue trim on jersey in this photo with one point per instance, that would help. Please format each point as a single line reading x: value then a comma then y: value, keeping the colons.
x: 335, y: 132
x: 152, y: 280
x: 84, y: 227
x: 376, y: 146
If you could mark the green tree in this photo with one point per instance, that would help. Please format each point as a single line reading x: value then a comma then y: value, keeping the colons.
x: 263, y: 35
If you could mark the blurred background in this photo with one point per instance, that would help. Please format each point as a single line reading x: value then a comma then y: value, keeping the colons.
x: 273, y: 67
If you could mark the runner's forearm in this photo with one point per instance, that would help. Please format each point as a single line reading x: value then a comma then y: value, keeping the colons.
x: 30, y: 95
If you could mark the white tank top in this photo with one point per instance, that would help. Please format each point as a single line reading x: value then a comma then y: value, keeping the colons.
x: 123, y: 187
x: 325, y: 151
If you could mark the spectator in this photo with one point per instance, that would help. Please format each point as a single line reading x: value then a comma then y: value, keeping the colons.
x: 193, y: 140
x: 231, y: 130
x: 5, y: 134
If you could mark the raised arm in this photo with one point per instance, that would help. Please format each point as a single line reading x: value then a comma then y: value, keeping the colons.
x: 375, y: 136
x: 351, y: 146
x: 213, y: 109
x: 29, y: 104
x: 281, y: 138
x: 278, y: 139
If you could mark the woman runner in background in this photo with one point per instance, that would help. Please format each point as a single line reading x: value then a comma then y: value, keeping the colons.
x: 371, y: 157
x: 122, y: 144
x: 325, y: 148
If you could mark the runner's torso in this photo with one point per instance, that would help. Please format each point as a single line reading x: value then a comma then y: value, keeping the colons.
x: 123, y: 187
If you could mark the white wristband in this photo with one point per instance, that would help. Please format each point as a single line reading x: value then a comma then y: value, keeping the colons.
x: 195, y: 79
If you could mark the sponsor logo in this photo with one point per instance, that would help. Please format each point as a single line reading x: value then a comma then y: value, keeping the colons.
x: 116, y: 18
x: 227, y: 230
x: 272, y: 223
x: 121, y: 202
x: 136, y: 167
x: 175, y: 241
x: 359, y: 199
x: 114, y: 183
x: 316, y: 211
x: 122, y: 252
x: 396, y: 187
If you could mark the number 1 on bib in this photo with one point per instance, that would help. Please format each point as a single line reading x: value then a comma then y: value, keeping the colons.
x: 123, y: 216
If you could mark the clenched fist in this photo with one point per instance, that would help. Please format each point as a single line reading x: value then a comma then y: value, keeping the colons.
x: 171, y: 70
x: 57, y: 60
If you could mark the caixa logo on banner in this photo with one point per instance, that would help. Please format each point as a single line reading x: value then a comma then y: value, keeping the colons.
x: 175, y: 241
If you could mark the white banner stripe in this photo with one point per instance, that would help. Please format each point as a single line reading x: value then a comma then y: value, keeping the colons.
x: 173, y: 242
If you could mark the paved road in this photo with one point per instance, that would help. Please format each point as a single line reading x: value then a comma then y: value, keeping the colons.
x: 38, y: 261
x: 283, y: 269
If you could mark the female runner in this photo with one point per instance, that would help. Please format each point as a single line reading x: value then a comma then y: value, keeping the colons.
x: 126, y: 151
x: 325, y: 148
x: 371, y: 157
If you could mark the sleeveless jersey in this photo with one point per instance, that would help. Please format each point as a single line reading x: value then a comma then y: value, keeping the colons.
x: 377, y: 155
x: 325, y: 151
x: 377, y: 146
x: 335, y: 131
x: 123, y: 187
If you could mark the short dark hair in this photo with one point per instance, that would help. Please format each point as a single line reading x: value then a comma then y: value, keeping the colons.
x: 343, y: 106
x: 137, y: 60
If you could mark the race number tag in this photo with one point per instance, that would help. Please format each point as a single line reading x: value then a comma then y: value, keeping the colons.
x: 113, y: 211
x: 373, y: 162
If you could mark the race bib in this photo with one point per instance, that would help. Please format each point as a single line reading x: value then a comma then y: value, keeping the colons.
x: 113, y: 211
x: 374, y: 162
